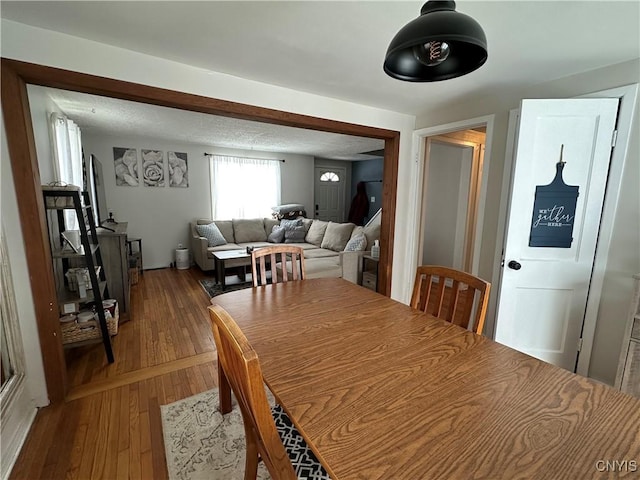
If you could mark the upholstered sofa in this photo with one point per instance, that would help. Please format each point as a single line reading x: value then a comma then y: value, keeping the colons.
x: 323, y: 243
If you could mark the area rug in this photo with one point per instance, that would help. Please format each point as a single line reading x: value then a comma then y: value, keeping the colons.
x: 212, y: 288
x: 201, y: 443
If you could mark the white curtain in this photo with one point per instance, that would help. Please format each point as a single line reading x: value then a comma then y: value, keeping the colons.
x: 243, y: 187
x: 67, y: 150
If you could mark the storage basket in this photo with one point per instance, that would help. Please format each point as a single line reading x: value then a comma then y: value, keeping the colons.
x: 73, y: 332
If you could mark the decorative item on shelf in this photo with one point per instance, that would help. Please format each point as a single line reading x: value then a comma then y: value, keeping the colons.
x: 375, y: 250
x: 79, y: 278
x: 438, y: 45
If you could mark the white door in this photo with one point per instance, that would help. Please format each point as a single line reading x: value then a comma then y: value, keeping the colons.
x: 329, y: 193
x: 544, y: 289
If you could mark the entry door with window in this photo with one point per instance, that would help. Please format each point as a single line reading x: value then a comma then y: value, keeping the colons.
x: 549, y: 247
x: 329, y: 193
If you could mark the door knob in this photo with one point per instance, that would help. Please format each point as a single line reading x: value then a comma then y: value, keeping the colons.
x: 514, y: 265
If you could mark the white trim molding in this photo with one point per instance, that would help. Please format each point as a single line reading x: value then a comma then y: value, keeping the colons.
x: 419, y: 155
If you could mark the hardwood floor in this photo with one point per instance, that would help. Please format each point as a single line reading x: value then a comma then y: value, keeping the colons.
x: 110, y: 426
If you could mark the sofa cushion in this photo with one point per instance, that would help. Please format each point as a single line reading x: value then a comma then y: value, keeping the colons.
x: 305, y: 246
x: 359, y: 230
x: 294, y: 234
x: 307, y: 224
x: 276, y: 235
x: 336, y: 236
x: 356, y: 244
x: 316, y: 232
x: 254, y: 245
x: 320, y: 253
x: 328, y: 267
x: 249, y: 230
x: 226, y: 228
x: 372, y: 232
x: 212, y: 233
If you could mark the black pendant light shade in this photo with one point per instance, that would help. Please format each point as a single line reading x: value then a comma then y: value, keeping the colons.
x: 440, y: 44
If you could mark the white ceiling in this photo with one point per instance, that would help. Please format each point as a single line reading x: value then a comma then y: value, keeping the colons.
x: 336, y: 49
x: 110, y: 116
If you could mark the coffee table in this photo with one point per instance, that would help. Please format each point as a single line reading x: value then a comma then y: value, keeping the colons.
x: 231, y: 258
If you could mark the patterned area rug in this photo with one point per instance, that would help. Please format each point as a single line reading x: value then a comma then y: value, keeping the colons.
x: 201, y: 443
x: 212, y: 288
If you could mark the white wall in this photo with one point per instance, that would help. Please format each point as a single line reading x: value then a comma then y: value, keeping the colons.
x: 624, y: 257
x: 161, y: 215
x: 446, y: 204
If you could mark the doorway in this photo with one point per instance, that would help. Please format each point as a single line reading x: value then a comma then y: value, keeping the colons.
x: 451, y: 189
x: 329, y: 188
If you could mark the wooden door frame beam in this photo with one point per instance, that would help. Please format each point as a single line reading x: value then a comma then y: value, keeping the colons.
x: 24, y: 164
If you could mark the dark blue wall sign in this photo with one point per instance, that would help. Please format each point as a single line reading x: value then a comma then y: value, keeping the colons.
x: 554, y: 211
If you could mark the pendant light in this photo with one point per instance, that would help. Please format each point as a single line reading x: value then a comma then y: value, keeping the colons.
x: 438, y: 45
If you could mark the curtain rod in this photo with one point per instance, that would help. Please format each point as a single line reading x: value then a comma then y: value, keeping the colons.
x: 250, y: 158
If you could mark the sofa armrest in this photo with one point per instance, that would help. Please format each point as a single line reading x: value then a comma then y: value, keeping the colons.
x: 199, y: 247
x: 351, y: 263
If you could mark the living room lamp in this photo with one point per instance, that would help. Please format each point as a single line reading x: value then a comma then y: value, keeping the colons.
x: 438, y: 45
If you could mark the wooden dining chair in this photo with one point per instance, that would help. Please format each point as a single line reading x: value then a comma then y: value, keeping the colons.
x: 453, y: 297
x: 274, y: 260
x: 270, y: 434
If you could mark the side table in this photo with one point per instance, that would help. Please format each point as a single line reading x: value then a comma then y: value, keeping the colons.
x: 370, y: 272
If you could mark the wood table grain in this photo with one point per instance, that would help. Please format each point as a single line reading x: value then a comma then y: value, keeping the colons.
x: 381, y: 391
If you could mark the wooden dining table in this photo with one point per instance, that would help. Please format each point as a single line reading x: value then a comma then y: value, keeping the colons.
x: 382, y: 391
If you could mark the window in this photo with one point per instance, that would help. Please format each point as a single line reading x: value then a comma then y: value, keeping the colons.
x: 243, y: 187
x: 329, y: 177
x: 67, y: 149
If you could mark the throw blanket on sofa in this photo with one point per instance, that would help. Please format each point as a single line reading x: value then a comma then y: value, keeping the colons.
x: 289, y: 211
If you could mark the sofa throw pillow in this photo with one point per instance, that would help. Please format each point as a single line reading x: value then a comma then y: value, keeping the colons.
x: 316, y: 232
x: 294, y: 234
x: 290, y: 223
x: 356, y: 244
x: 276, y: 235
x: 249, y: 230
x: 336, y: 236
x: 269, y: 223
x: 212, y: 233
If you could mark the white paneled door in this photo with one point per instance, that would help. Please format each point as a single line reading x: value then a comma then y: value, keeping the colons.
x: 558, y: 188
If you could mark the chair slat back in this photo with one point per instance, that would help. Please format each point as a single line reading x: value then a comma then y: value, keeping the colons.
x: 242, y: 368
x: 453, y: 303
x: 271, y: 260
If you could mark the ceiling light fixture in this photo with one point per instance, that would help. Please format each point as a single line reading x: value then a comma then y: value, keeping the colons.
x: 438, y: 45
